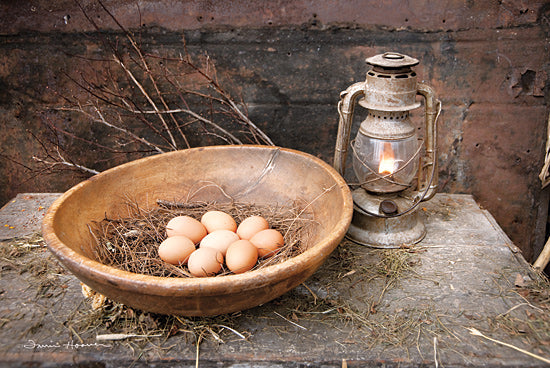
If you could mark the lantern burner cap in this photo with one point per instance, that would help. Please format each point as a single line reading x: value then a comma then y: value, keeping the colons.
x: 392, y: 60
x: 388, y: 207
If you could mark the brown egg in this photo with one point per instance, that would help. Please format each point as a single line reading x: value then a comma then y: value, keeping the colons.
x: 176, y: 249
x: 218, y: 220
x: 250, y: 226
x: 220, y: 240
x: 241, y: 256
x: 268, y: 242
x: 205, y: 262
x: 186, y: 226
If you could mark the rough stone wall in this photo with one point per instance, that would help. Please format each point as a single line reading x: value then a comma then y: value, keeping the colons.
x: 487, y: 60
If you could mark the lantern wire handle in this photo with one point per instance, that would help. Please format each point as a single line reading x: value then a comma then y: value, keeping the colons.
x: 345, y: 112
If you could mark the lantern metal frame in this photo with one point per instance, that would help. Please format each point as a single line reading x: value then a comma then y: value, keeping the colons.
x: 390, y: 220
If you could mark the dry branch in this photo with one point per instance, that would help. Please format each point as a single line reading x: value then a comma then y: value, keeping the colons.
x: 135, y: 102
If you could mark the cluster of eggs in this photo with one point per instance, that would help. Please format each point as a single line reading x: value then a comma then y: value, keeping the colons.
x: 220, y: 241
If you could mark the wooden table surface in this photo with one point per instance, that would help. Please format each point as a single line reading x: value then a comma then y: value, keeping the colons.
x: 386, y: 308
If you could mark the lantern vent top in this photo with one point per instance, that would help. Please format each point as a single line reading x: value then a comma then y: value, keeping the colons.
x: 392, y: 60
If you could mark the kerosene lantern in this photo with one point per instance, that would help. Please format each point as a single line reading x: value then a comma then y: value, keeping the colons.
x: 396, y: 170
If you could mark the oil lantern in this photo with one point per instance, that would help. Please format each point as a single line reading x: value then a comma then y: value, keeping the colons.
x: 395, y: 169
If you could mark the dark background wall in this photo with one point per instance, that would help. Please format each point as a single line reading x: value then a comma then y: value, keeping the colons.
x: 487, y: 60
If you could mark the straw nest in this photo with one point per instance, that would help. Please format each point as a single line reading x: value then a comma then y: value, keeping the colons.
x: 131, y: 243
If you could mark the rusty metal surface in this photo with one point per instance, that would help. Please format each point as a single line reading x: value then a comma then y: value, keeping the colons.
x: 500, y: 163
x: 461, y: 278
x: 385, y: 232
x: 65, y: 15
x: 390, y: 88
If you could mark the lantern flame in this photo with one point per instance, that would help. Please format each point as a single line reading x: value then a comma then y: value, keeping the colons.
x: 387, y: 160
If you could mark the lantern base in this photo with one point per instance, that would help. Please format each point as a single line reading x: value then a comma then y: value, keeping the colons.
x: 380, y: 232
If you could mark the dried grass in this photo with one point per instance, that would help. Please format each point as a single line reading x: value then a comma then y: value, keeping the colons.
x: 405, y: 329
x: 131, y: 243
x: 531, y: 318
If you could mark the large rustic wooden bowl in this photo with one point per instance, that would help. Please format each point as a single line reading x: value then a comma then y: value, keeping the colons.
x: 252, y: 174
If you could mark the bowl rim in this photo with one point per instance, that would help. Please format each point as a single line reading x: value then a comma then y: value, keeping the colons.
x: 204, y: 285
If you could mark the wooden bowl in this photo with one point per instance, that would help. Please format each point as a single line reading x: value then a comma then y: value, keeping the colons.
x: 252, y: 174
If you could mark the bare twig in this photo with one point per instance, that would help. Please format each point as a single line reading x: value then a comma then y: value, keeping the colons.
x: 196, y: 116
x: 435, y: 353
x: 52, y: 164
x: 544, y: 257
x: 125, y: 131
x: 544, y: 175
x: 146, y: 95
x: 289, y: 321
x: 133, y: 87
x: 476, y: 332
x: 199, y: 339
x: 234, y: 331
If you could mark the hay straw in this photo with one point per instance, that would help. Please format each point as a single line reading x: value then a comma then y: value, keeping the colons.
x: 131, y: 243
x: 476, y: 332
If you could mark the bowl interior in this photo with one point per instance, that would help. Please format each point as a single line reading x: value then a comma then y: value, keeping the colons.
x: 249, y: 174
